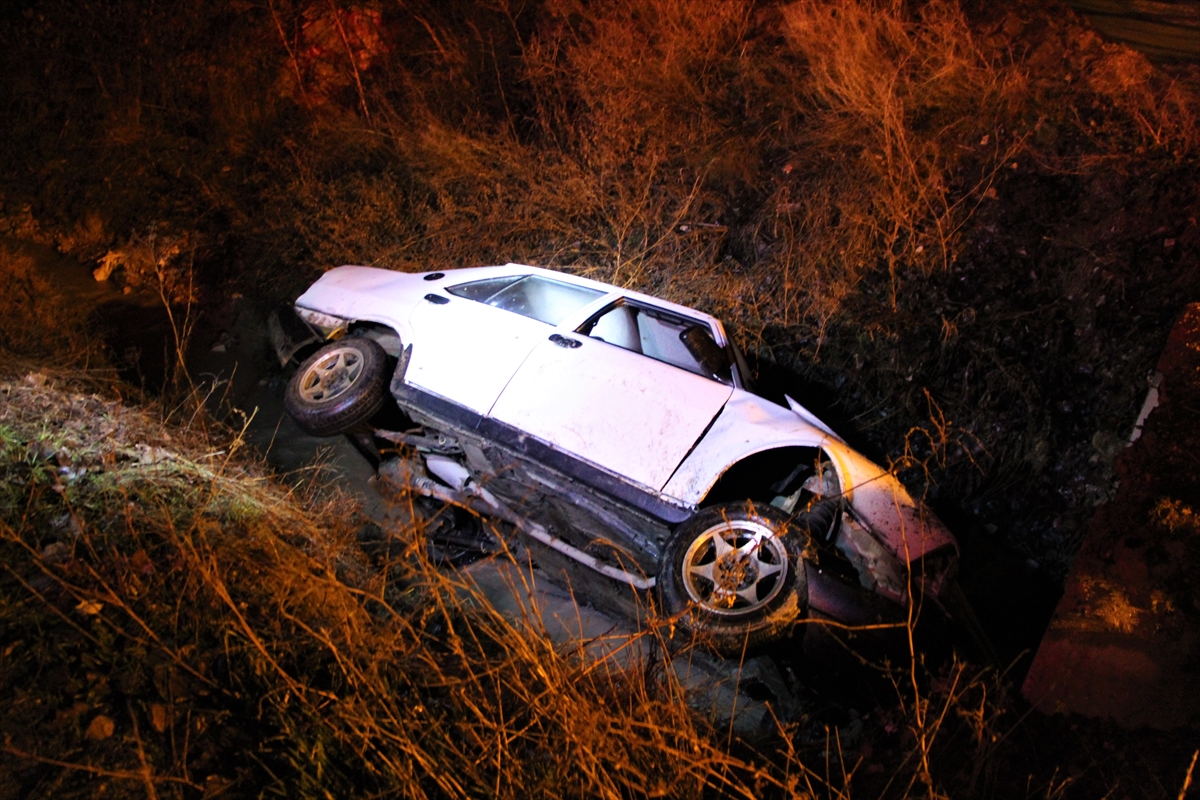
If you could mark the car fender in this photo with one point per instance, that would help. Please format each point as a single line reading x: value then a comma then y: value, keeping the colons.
x: 906, y: 527
x: 749, y: 424
x: 366, y: 294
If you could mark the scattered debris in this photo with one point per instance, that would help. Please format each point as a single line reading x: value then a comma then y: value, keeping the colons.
x: 1149, y: 405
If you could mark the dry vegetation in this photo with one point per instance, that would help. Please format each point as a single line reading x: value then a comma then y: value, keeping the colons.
x: 963, y: 230
x: 174, y: 623
x: 28, y: 301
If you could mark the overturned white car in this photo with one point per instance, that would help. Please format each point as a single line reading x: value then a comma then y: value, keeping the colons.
x: 618, y: 431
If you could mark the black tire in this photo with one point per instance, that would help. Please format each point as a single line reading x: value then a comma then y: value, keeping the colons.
x: 338, y: 388
x: 724, y: 597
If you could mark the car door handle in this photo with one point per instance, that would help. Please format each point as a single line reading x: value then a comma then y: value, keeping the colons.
x: 564, y: 341
x: 437, y: 299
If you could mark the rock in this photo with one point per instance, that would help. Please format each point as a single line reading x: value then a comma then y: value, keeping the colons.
x: 89, y: 608
x: 56, y: 552
x: 108, y: 263
x: 1124, y: 642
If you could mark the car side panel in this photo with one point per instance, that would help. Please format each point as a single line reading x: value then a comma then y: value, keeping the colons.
x: 621, y: 410
x: 441, y: 414
x: 467, y: 351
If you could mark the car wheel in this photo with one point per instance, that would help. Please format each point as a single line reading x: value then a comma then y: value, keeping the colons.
x: 337, y: 388
x: 733, y: 574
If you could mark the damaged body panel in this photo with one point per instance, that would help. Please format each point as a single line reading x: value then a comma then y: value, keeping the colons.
x: 577, y: 398
x: 561, y: 495
x: 749, y: 424
x: 617, y: 431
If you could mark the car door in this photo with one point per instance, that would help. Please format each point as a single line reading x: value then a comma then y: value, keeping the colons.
x: 621, y: 392
x: 469, y: 338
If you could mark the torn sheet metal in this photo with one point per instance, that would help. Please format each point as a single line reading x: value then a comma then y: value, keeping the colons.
x: 749, y: 424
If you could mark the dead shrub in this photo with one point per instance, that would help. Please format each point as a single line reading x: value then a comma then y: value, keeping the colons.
x: 1164, y: 109
x: 159, y: 260
x: 895, y: 103
x: 671, y: 145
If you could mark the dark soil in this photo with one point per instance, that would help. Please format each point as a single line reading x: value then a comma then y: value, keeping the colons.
x: 1014, y: 376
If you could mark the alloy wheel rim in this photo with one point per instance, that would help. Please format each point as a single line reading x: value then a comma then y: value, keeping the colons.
x: 735, y: 568
x: 332, y: 375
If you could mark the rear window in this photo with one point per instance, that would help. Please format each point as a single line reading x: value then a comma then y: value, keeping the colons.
x: 532, y: 296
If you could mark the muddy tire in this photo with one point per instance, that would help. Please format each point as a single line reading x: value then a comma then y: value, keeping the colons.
x: 732, y: 574
x: 337, y: 388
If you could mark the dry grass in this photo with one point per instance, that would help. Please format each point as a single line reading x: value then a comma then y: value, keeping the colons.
x: 203, y: 603
x: 900, y: 98
x: 757, y: 163
x: 762, y: 162
x: 175, y: 622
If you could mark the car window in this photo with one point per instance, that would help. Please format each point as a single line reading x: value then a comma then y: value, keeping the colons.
x: 482, y: 291
x: 532, y: 296
x: 662, y: 336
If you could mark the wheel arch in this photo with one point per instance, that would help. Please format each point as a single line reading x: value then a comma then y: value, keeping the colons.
x: 906, y: 527
x: 753, y: 475
x: 698, y: 581
x: 384, y: 334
